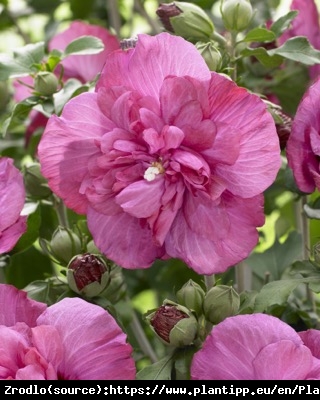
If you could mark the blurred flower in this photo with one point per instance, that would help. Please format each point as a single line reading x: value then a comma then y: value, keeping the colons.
x: 85, y: 68
x: 70, y: 340
x: 166, y: 158
x: 12, y: 199
x: 303, y: 146
x: 257, y: 347
x: 306, y: 23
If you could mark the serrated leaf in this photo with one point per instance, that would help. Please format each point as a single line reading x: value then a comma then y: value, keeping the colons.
x: 259, y: 35
x: 19, y: 114
x: 160, y: 370
x: 84, y: 45
x: 30, y: 54
x: 298, y: 49
x: 275, y: 293
x: 283, y: 23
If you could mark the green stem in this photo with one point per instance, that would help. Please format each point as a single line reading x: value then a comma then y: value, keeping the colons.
x: 142, y: 338
x: 221, y: 40
x: 61, y: 211
x: 304, y: 228
x: 209, y: 281
x: 234, y: 35
x: 243, y: 277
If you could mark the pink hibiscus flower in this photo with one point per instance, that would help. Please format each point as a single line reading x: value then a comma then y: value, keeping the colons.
x: 70, y: 340
x: 305, y: 24
x: 257, y: 347
x: 12, y: 199
x: 85, y: 68
x: 166, y: 158
x: 303, y: 146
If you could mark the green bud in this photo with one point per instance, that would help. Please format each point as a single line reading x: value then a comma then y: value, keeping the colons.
x: 64, y: 245
x: 236, y: 14
x: 191, y: 295
x: 211, y: 55
x: 220, y: 302
x: 116, y: 287
x: 46, y: 83
x: 174, y: 324
x: 88, y: 274
x: 35, y: 184
x: 187, y: 20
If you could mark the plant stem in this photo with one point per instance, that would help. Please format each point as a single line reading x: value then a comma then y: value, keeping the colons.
x: 304, y: 228
x: 209, y: 281
x: 141, y: 338
x: 61, y: 212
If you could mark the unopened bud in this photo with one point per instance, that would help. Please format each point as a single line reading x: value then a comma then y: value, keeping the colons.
x: 88, y: 274
x: 46, y: 83
x: 211, y: 55
x: 35, y: 184
x: 174, y: 324
x: 191, y: 295
x: 186, y: 19
x: 64, y: 245
x: 236, y: 14
x: 220, y: 302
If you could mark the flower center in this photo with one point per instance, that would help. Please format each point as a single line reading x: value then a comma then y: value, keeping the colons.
x: 151, y: 172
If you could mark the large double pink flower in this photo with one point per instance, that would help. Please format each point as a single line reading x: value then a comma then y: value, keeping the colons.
x: 12, y: 198
x: 166, y: 158
x: 257, y: 347
x: 70, y: 340
x: 303, y: 146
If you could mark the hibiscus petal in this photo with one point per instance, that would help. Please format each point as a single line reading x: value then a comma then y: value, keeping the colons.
x: 124, y: 239
x: 259, y: 158
x: 68, y: 144
x: 230, y: 349
x: 12, y: 193
x: 141, y: 199
x: 301, y: 158
x: 95, y: 347
x: 283, y: 360
x: 146, y: 66
x: 17, y: 307
x: 9, y: 237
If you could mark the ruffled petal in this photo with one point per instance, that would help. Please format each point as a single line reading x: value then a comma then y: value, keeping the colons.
x: 124, y: 239
x: 259, y: 161
x: 68, y: 145
x: 95, y: 347
x: 230, y: 349
x: 146, y: 66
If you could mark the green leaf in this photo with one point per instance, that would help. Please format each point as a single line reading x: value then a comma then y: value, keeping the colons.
x: 23, y: 61
x: 275, y: 260
x: 71, y: 87
x: 311, y: 212
x: 267, y: 60
x: 283, y: 23
x: 275, y: 293
x: 259, y: 35
x: 19, y: 114
x: 298, y: 49
x: 158, y: 371
x: 84, y: 45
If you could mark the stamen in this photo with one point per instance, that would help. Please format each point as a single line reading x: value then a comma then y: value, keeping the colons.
x: 151, y: 172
